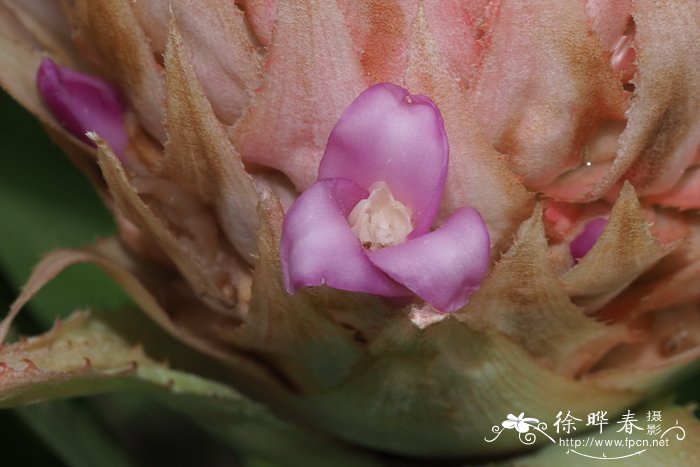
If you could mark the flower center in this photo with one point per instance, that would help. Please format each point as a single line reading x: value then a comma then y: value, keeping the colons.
x: 380, y: 220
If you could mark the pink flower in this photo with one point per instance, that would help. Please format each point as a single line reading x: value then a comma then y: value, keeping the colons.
x: 365, y: 225
x: 82, y: 103
x: 584, y: 241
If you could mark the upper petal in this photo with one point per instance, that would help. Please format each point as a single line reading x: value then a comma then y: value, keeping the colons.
x: 442, y: 267
x: 83, y: 103
x: 389, y: 135
x: 319, y: 248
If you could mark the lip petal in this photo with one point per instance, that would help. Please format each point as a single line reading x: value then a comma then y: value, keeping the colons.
x: 442, y: 267
x: 319, y: 248
x: 389, y: 135
x: 83, y: 103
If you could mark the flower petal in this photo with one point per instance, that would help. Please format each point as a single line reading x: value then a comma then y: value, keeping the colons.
x: 319, y: 248
x: 389, y: 135
x: 586, y: 239
x: 442, y: 267
x: 83, y: 103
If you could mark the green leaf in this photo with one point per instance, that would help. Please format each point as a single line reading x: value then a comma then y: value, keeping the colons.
x: 27, y: 447
x: 83, y: 445
x: 84, y: 356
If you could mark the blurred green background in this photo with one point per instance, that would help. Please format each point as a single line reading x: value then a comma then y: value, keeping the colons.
x: 45, y: 204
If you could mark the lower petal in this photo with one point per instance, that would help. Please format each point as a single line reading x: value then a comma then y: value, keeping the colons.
x: 319, y: 248
x: 443, y: 267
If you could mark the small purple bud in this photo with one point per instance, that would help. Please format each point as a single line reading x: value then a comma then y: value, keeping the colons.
x: 586, y: 239
x: 83, y: 103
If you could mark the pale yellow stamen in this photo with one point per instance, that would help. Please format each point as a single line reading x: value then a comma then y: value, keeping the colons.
x: 380, y: 220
